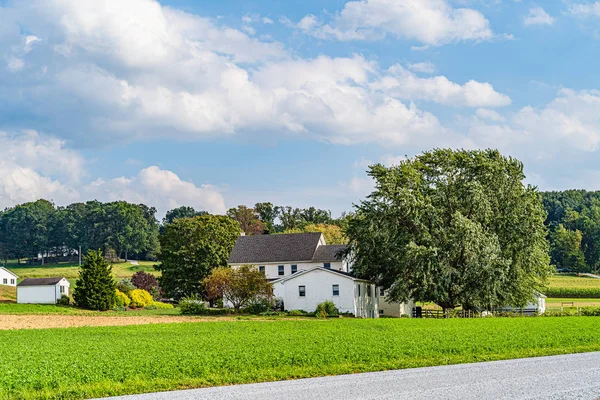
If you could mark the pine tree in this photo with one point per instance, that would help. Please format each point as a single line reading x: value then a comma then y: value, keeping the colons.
x: 95, y: 288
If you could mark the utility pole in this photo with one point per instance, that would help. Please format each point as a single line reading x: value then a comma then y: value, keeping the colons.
x: 80, y: 255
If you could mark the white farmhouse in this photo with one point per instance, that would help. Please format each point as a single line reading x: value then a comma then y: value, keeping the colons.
x: 7, y: 278
x: 392, y: 309
x: 42, y: 290
x: 305, y: 271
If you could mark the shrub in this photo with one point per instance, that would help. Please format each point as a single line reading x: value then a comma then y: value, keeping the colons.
x: 259, y: 306
x: 151, y: 307
x: 591, y: 311
x: 95, y: 288
x: 192, y: 305
x: 125, y: 286
x: 162, y: 306
x: 122, y: 299
x: 296, y: 313
x: 326, y: 309
x: 145, y: 281
x: 119, y: 308
x: 64, y: 300
x: 140, y: 298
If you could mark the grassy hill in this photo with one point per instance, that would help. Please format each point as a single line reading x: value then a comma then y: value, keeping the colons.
x: 71, y: 270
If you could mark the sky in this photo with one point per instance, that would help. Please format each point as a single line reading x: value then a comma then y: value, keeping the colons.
x: 214, y: 104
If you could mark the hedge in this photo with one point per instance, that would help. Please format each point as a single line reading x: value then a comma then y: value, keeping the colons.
x: 575, y: 293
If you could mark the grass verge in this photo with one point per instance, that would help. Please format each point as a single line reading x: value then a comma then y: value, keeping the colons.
x: 93, y: 362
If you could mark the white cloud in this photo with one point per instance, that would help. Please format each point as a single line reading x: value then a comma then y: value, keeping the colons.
x: 15, y: 64
x: 267, y: 20
x: 431, y: 22
x: 538, y: 16
x: 423, y: 67
x: 402, y: 83
x: 585, y: 9
x: 485, y: 113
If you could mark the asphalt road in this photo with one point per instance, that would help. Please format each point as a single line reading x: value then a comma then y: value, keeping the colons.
x: 574, y: 376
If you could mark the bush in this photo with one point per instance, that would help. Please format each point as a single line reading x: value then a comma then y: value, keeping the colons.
x: 151, y: 307
x: 591, y: 311
x: 125, y: 286
x: 326, y: 309
x: 95, y: 288
x: 122, y: 299
x: 259, y: 306
x: 573, y: 293
x: 162, y: 306
x: 140, y: 298
x: 192, y: 305
x: 64, y: 300
x: 145, y: 281
x: 119, y: 308
x: 297, y: 313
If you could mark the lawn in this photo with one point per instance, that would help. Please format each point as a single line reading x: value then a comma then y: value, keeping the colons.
x: 71, y: 271
x: 572, y: 281
x: 90, y: 362
x: 50, y: 309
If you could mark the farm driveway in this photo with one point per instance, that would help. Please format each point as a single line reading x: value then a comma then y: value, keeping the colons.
x: 575, y: 376
x: 69, y: 321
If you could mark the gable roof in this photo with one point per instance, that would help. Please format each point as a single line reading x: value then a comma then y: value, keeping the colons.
x: 12, y: 273
x: 308, y: 271
x: 275, y: 248
x: 40, y: 281
x: 330, y: 252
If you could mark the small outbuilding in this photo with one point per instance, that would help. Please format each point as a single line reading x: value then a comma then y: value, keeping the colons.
x: 42, y: 290
x: 7, y: 278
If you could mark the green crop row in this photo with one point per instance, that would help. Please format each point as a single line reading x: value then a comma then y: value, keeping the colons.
x: 573, y: 292
x: 101, y: 361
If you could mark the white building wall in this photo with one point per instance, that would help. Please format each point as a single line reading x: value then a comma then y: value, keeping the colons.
x: 365, y: 300
x: 41, y: 294
x: 272, y: 269
x: 319, y: 288
x: 6, y: 276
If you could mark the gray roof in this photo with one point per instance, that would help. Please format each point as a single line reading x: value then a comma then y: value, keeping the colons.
x: 330, y: 252
x: 274, y: 248
x: 40, y: 281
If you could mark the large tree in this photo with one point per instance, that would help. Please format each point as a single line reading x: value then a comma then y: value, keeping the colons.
x: 452, y: 227
x: 95, y: 289
x: 191, y: 248
x: 248, y: 220
x: 238, y: 286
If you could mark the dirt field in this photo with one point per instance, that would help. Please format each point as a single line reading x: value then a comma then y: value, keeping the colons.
x: 68, y: 321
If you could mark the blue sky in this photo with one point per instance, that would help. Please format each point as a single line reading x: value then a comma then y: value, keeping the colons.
x: 215, y: 104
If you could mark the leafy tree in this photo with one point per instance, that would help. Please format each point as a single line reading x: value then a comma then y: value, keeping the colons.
x: 248, y: 220
x: 314, y: 215
x: 95, y: 289
x: 145, y: 281
x: 333, y: 234
x: 290, y: 218
x: 191, y: 248
x: 238, y: 286
x: 452, y: 227
x: 566, y: 249
x: 181, y: 212
x: 267, y: 213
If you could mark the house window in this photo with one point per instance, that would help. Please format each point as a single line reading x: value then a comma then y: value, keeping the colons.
x: 294, y: 269
x: 302, y: 291
x: 5, y: 281
x: 327, y: 265
x: 369, y: 290
x: 12, y: 281
x: 261, y: 269
x: 281, y: 270
x: 381, y: 292
x: 62, y: 289
x: 380, y: 312
x: 358, y: 290
x: 336, y: 290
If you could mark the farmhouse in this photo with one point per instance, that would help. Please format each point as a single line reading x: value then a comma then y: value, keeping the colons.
x: 7, y: 278
x: 305, y: 271
x: 42, y: 290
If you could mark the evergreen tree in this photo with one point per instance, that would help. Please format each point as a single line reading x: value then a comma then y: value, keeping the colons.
x: 95, y: 288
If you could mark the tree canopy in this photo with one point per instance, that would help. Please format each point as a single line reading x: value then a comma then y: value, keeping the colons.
x: 191, y: 248
x: 452, y: 227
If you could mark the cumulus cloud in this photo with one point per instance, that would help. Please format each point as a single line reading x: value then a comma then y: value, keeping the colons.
x: 401, y: 83
x: 538, y: 16
x: 423, y: 67
x: 591, y: 9
x: 430, y: 22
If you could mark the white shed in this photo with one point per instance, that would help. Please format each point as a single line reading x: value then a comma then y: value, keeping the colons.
x: 42, y: 290
x: 7, y: 278
x: 306, y: 289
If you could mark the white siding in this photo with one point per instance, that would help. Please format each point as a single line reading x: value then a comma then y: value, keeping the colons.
x: 391, y: 309
x: 41, y: 294
x: 7, y: 278
x: 318, y: 285
x: 272, y: 269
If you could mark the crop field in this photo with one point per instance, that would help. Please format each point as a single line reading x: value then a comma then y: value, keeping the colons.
x: 101, y: 361
x: 8, y: 293
x: 71, y: 271
x: 570, y: 286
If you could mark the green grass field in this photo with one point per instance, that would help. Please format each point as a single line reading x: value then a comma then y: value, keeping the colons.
x: 71, y: 271
x: 49, y: 309
x: 86, y: 362
x: 571, y: 281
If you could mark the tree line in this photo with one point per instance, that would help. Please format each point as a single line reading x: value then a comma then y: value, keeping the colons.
x: 41, y: 232
x: 573, y: 223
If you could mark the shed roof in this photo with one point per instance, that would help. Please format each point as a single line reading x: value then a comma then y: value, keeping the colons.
x: 275, y: 248
x: 10, y: 272
x: 40, y: 281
